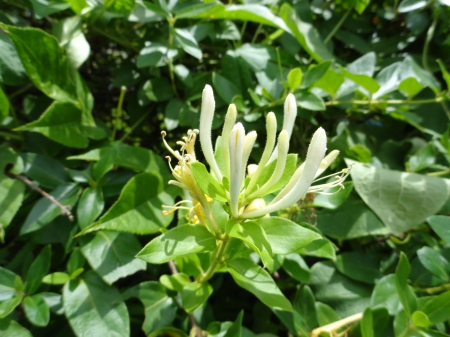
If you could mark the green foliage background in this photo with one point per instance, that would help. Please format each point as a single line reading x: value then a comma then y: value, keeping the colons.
x: 87, y: 86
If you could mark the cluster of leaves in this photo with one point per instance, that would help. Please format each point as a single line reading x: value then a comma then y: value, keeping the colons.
x: 86, y: 88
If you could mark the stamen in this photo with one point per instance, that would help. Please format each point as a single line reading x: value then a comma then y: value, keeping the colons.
x: 176, y: 154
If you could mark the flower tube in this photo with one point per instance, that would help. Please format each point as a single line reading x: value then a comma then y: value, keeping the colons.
x: 237, y: 169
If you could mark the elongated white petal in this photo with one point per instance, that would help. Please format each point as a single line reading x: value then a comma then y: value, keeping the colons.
x: 316, y: 153
x: 249, y: 141
x: 230, y: 119
x: 236, y: 147
x: 326, y: 162
x: 271, y: 127
x: 283, y: 148
x: 206, y: 118
x: 290, y: 113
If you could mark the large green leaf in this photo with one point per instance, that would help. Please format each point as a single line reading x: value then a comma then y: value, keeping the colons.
x: 36, y: 310
x: 11, y: 69
x: 385, y: 295
x: 45, y: 211
x: 138, y: 209
x: 252, y: 234
x: 179, y: 241
x: 359, y: 266
x: 441, y: 225
x: 438, y: 308
x: 207, y: 183
x: 286, y: 236
x: 112, y: 254
x: 9, y: 327
x: 94, y: 309
x: 160, y: 309
x: 306, y: 34
x: 253, y: 278
x: 434, y: 262
x: 401, y: 200
x: 48, y: 172
x: 90, y: 206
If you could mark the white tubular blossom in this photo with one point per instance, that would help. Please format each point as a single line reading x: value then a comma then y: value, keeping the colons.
x: 230, y: 119
x: 290, y: 113
x: 237, y: 168
x: 326, y: 162
x: 316, y: 153
x: 283, y: 148
x: 206, y: 118
x: 271, y: 127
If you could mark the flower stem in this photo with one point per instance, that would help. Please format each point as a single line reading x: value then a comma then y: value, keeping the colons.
x: 220, y: 250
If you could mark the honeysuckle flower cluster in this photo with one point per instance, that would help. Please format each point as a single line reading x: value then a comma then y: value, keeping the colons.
x: 230, y: 168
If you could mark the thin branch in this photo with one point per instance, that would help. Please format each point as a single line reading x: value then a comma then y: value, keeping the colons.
x: 198, y: 331
x: 64, y: 209
x: 173, y: 267
x: 333, y: 327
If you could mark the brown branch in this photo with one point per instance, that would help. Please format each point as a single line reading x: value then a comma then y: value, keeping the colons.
x: 64, y: 209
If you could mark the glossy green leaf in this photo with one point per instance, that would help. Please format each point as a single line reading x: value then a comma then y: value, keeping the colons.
x: 158, y: 89
x: 48, y: 172
x: 188, y: 42
x: 9, y: 327
x: 309, y: 101
x: 305, y: 33
x: 112, y: 254
x: 11, y: 196
x: 56, y: 278
x: 194, y: 295
x: 38, y: 269
x: 398, y: 198
x: 4, y: 105
x: 294, y: 78
x: 305, y: 315
x: 252, y: 234
x: 90, y: 206
x: 175, y: 282
x: 224, y: 87
x: 138, y: 209
x: 179, y: 241
x: 330, y: 82
x: 320, y: 248
x: 410, y: 86
x: 296, y: 267
x: 61, y: 122
x: 94, y: 308
x: 314, y: 74
x: 411, y: 5
x: 325, y: 314
x: 207, y: 183
x: 366, y: 325
x: 11, y: 69
x: 441, y: 225
x: 8, y: 306
x: 359, y: 266
x: 423, y: 158
x: 385, y: 295
x: 256, y: 280
x: 159, y: 308
x: 437, y: 308
x: 435, y: 262
x: 44, y: 211
x: 405, y: 293
x: 286, y: 236
x: 363, y: 80
x: 36, y: 310
x: 194, y: 10
x: 8, y: 281
x: 420, y: 319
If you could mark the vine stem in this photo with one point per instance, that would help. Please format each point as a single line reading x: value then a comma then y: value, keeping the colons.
x: 434, y: 290
x: 336, y: 28
x: 387, y: 101
x: 64, y: 209
x: 123, y: 90
x: 223, y: 243
x: 331, y: 328
x: 428, y: 39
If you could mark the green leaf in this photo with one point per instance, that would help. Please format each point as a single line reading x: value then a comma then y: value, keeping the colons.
x: 111, y: 254
x: 367, y: 326
x: 160, y: 309
x: 36, y: 310
x: 45, y: 8
x: 122, y: 7
x: 90, y: 206
x: 445, y: 73
x: 337, y: 198
x: 38, y: 269
x: 305, y: 316
x: 296, y: 267
x: 330, y: 82
x: 194, y: 10
x: 359, y: 266
x: 11, y: 69
x: 187, y: 42
x: 433, y: 261
x: 9, y: 327
x: 256, y: 280
x: 306, y: 34
x: 11, y: 196
x: 8, y: 306
x: 56, y: 278
x: 420, y: 319
x: 320, y: 248
x: 410, y: 86
x: 405, y: 293
x: 8, y: 281
x: 252, y: 234
x: 294, y: 78
x: 48, y: 172
x: 194, y: 295
x: 310, y: 101
x: 138, y: 209
x: 45, y: 211
x: 224, y: 87
x: 385, y: 295
x: 314, y: 74
x: 286, y: 236
x: 61, y: 122
x: 179, y: 241
x: 4, y: 104
x: 437, y: 308
x: 423, y: 158
x: 363, y: 80
x: 401, y: 200
x: 94, y: 308
x: 207, y: 183
x: 46, y: 64
x: 441, y: 225
x: 325, y: 314
x: 175, y: 282
x: 158, y: 89
x: 235, y: 330
x: 411, y: 5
